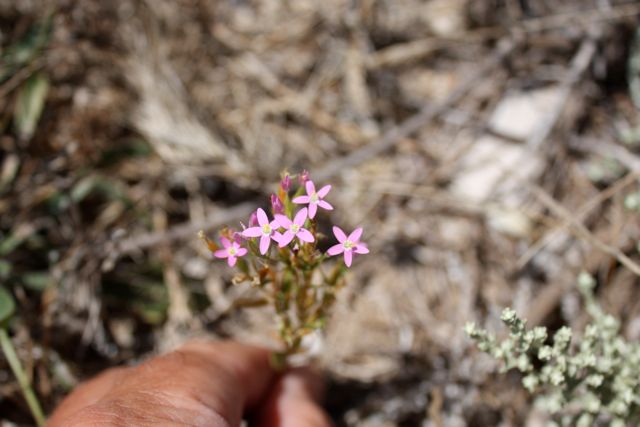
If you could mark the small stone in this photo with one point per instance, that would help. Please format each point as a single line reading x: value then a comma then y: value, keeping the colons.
x: 518, y: 114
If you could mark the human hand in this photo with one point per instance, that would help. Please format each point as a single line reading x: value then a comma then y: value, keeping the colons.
x: 201, y: 384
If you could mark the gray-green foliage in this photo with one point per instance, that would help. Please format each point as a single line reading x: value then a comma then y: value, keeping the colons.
x: 595, y: 381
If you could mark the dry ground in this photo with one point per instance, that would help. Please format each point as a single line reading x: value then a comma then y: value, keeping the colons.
x: 486, y: 147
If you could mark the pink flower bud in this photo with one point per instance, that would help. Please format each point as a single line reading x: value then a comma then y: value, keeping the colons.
x: 303, y: 177
x: 253, y: 220
x: 285, y: 184
x: 276, y: 205
x: 236, y: 237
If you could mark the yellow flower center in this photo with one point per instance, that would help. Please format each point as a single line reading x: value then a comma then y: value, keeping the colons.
x: 294, y: 228
x: 314, y: 198
x: 266, y: 229
x: 232, y: 251
x: 348, y: 245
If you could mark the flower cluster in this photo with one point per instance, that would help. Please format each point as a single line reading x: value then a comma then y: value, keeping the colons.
x: 279, y: 256
x: 285, y: 230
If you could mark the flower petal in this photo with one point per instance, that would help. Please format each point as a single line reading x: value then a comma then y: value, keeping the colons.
x: 283, y: 220
x: 285, y: 239
x: 361, y: 248
x: 221, y: 253
x: 348, y: 257
x: 262, y: 217
x: 337, y: 231
x: 355, y: 235
x: 313, y: 208
x: 300, y: 217
x: 225, y: 242
x: 335, y: 249
x: 264, y: 244
x: 232, y: 261
x: 252, y: 232
x: 305, y: 235
x: 241, y: 252
x: 325, y: 205
x: 274, y: 225
x: 324, y: 191
x: 301, y: 200
x: 310, y: 187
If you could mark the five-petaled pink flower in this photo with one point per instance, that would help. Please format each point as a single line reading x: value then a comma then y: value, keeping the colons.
x: 293, y: 229
x: 314, y: 199
x: 232, y: 251
x: 348, y: 245
x: 264, y: 231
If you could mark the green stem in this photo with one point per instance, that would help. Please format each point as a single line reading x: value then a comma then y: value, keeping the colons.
x: 16, y: 367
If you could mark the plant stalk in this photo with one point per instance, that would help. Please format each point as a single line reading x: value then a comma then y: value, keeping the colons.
x: 21, y: 376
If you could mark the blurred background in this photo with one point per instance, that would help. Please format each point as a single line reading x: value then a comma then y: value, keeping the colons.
x: 489, y: 148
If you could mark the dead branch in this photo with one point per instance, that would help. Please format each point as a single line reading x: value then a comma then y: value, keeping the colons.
x: 581, y: 231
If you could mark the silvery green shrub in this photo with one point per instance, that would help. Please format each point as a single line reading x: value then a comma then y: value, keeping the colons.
x: 593, y: 381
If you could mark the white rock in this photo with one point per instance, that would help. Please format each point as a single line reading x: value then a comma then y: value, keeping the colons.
x: 491, y: 175
x: 509, y: 220
x: 518, y: 114
x: 446, y: 18
x: 493, y: 166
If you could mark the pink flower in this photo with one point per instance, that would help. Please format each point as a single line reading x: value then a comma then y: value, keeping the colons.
x: 276, y: 205
x: 293, y: 229
x: 314, y: 199
x: 232, y: 251
x: 264, y: 231
x: 348, y: 245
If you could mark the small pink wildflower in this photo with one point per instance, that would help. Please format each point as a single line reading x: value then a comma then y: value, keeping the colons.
x: 276, y: 205
x: 232, y: 251
x: 265, y: 230
x: 293, y: 228
x: 348, y: 245
x: 314, y: 199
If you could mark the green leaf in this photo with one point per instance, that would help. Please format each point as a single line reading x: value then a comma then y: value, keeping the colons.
x: 7, y: 305
x: 30, y: 104
x: 36, y: 280
x: 16, y: 238
x: 9, y: 243
x: 9, y: 170
x: 26, y: 49
x: 83, y: 188
x: 97, y: 184
x: 129, y: 149
x: 5, y: 269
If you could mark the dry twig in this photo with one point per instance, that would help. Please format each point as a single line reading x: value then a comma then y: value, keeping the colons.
x: 581, y: 230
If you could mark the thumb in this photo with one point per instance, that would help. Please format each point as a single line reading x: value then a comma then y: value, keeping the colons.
x: 294, y: 401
